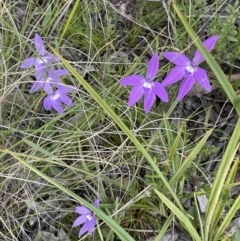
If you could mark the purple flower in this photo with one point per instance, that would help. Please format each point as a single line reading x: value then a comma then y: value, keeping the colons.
x: 146, y: 86
x: 56, y: 98
x: 188, y: 70
x: 43, y: 60
x: 87, y: 217
x: 48, y: 79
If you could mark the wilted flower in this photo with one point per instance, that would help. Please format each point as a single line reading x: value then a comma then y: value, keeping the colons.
x: 43, y: 60
x: 87, y: 218
x: 146, y: 86
x: 56, y: 98
x: 188, y: 70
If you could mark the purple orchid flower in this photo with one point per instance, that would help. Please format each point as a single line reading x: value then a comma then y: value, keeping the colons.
x: 189, y: 70
x: 56, y: 98
x: 87, y: 217
x: 43, y: 60
x: 146, y: 86
x: 47, y: 79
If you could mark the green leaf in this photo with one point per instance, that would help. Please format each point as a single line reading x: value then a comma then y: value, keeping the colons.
x: 181, y: 216
x: 220, y: 178
x: 47, y: 17
x: 188, y: 160
x: 164, y: 229
x: 172, y: 141
x: 38, y: 148
x: 226, y: 192
x: 230, y: 215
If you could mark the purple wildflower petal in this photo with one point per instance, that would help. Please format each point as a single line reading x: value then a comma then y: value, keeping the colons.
x: 84, y: 228
x: 40, y: 74
x: 209, y: 44
x: 45, y: 82
x: 48, y: 77
x: 29, y: 62
x: 87, y: 217
x: 132, y: 80
x: 53, y: 78
x: 153, y: 67
x: 40, y: 65
x: 149, y: 100
x: 135, y: 95
x: 96, y: 203
x: 66, y: 100
x: 35, y: 87
x: 47, y: 103
x: 65, y: 89
x: 53, y: 58
x: 177, y: 58
x: 60, y: 72
x: 82, y: 210
x: 80, y: 220
x: 50, y: 80
x: 201, y: 77
x: 49, y: 58
x: 91, y: 225
x: 47, y: 87
x: 174, y: 76
x: 186, y: 85
x: 39, y: 45
x: 43, y: 63
x: 160, y: 91
x: 56, y: 104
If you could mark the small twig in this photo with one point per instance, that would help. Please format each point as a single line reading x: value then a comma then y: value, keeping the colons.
x: 169, y: 16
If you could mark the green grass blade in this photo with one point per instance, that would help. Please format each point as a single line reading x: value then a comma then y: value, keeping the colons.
x: 108, y: 110
x: 198, y: 215
x: 187, y: 162
x: 230, y: 215
x: 164, y: 228
x: 70, y: 17
x: 227, y: 193
x: 172, y: 141
x: 122, y: 234
x: 222, y: 173
x: 181, y: 216
x: 38, y: 148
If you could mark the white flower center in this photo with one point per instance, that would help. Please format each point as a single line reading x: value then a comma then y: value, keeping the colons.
x: 48, y: 79
x: 56, y: 96
x: 40, y: 61
x: 147, y: 85
x: 89, y: 217
x: 190, y: 69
